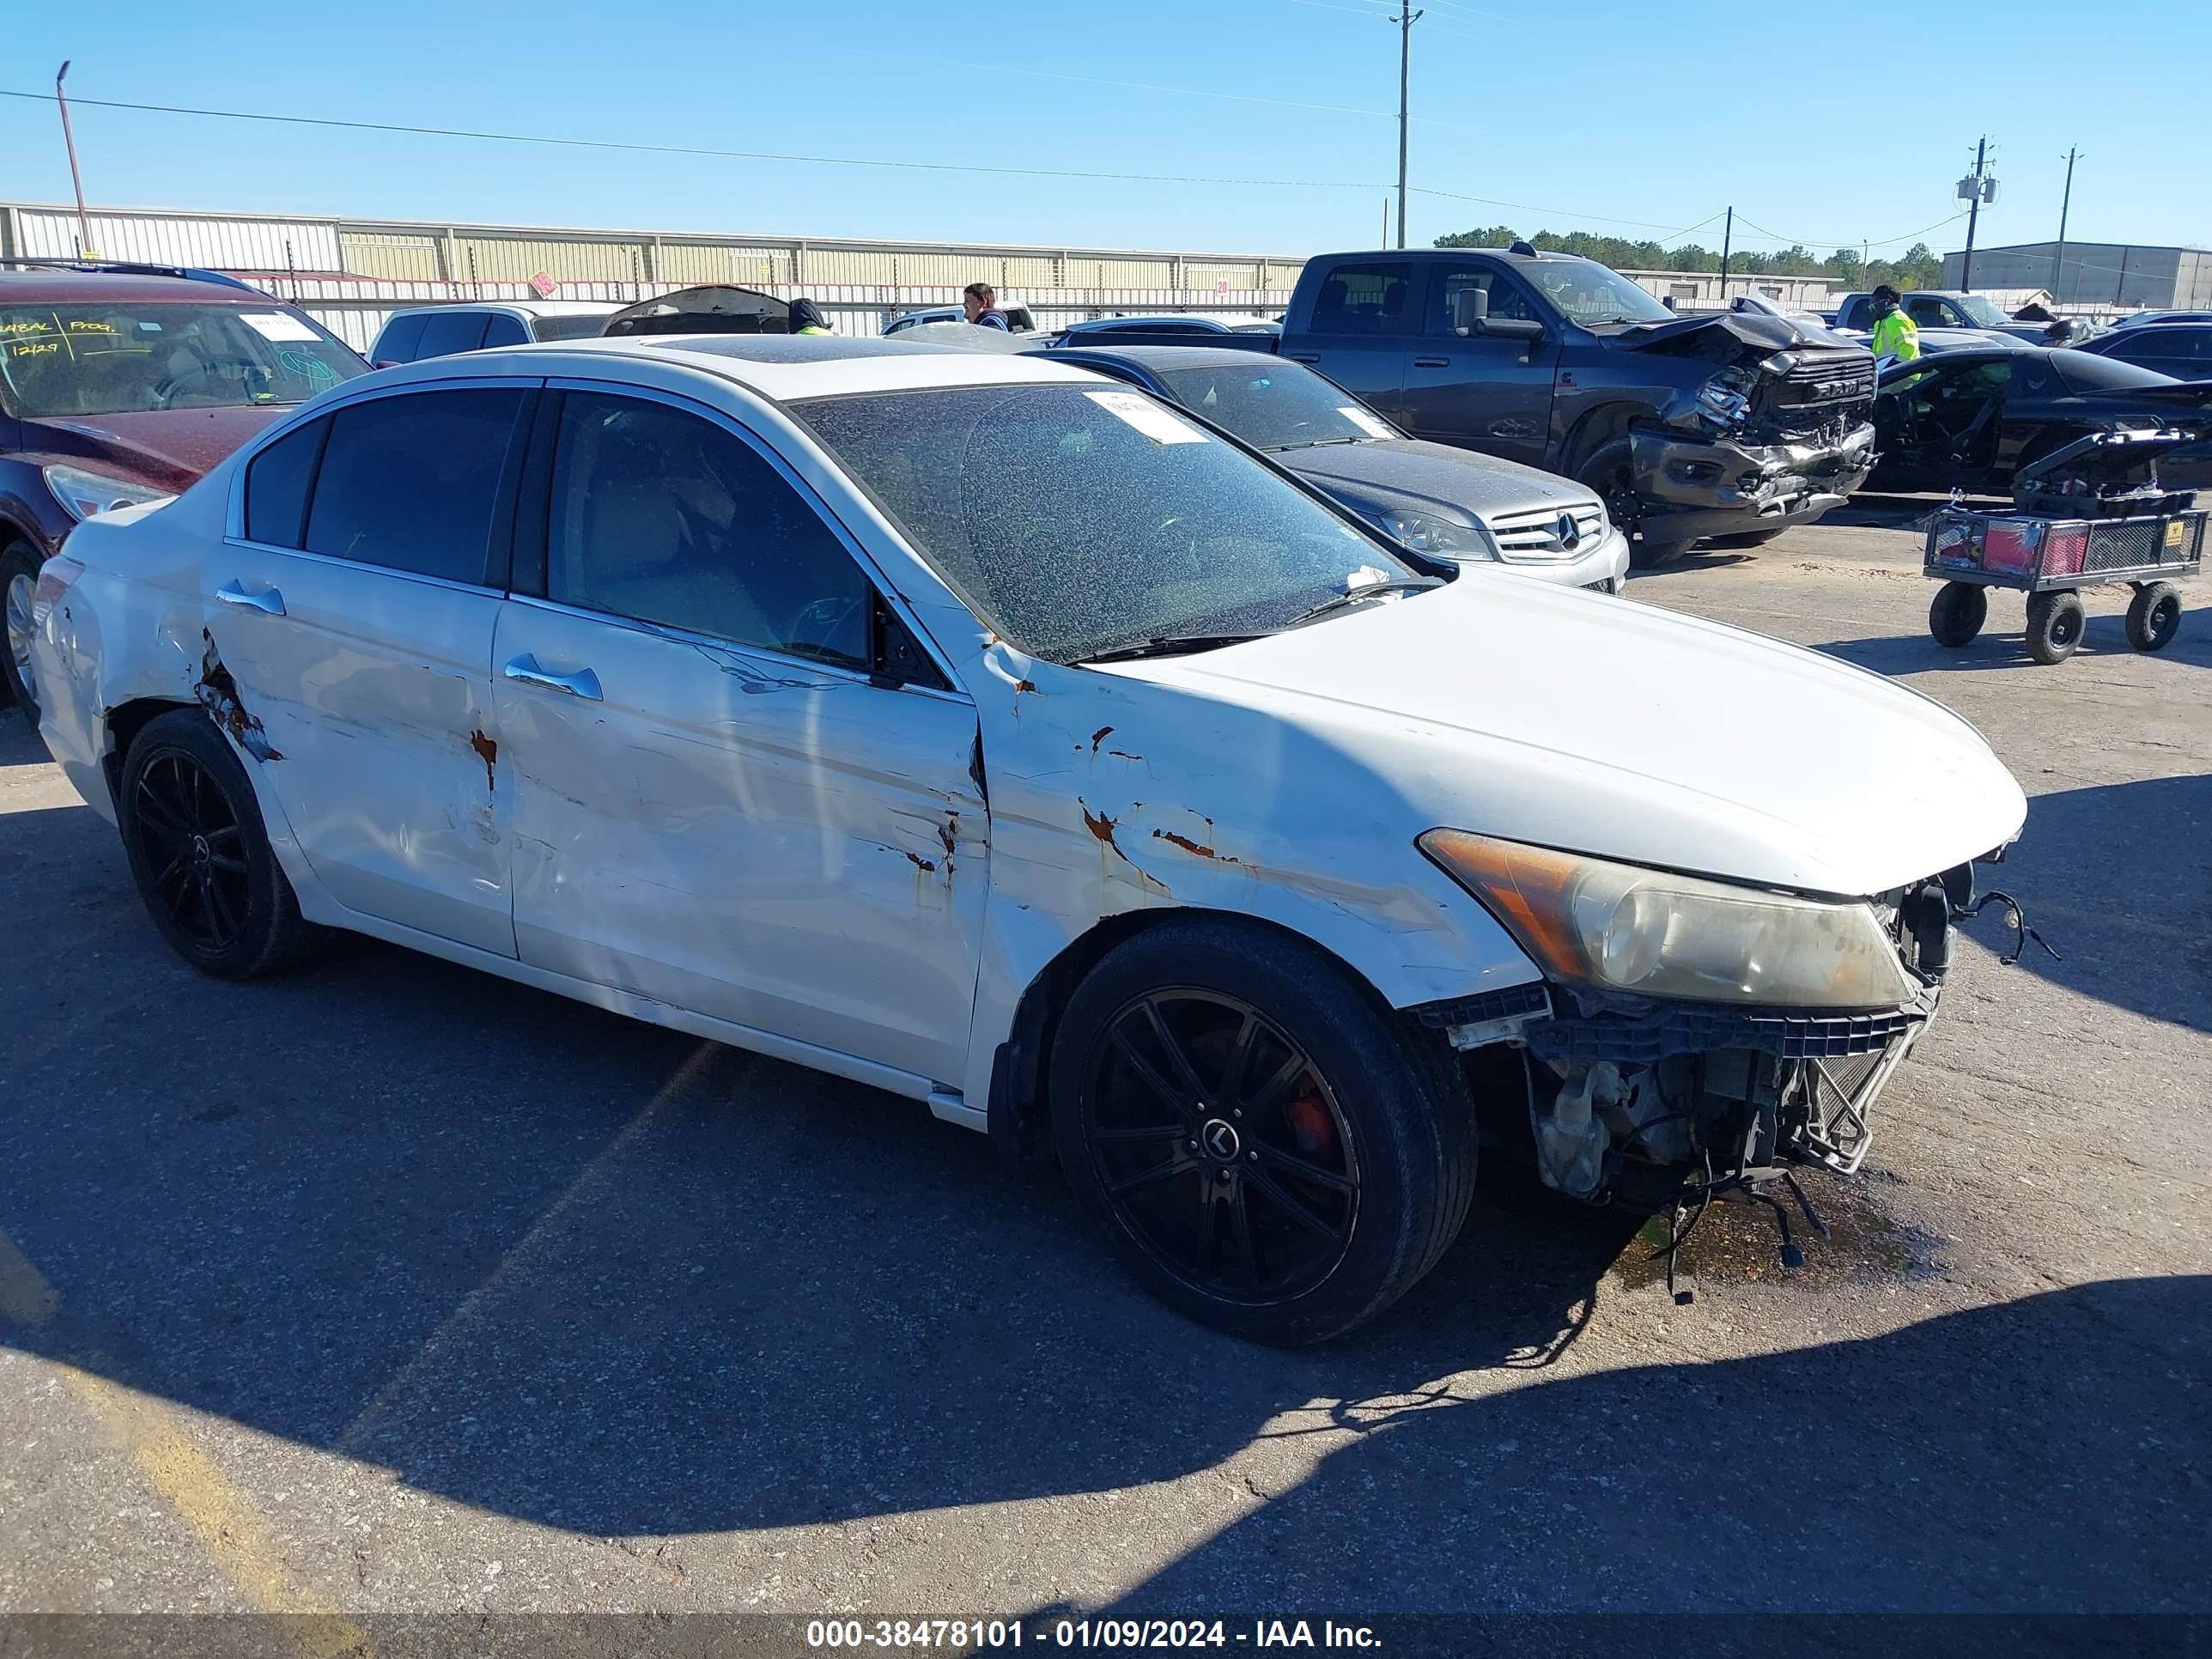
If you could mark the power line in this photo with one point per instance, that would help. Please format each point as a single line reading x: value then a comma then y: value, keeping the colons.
x: 687, y: 150
x: 1099, y: 80
x: 1845, y: 242
x: 1566, y: 213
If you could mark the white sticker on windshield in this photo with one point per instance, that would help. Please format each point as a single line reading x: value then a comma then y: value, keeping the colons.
x: 276, y: 325
x: 1147, y: 416
x: 1366, y: 422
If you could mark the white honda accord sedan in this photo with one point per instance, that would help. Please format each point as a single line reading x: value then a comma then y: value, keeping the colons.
x: 988, y: 733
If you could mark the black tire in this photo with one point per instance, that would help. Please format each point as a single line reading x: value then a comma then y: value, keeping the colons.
x: 1958, y: 613
x: 1610, y: 470
x: 1306, y: 1180
x: 1745, y: 537
x: 2154, y: 615
x: 19, y: 580
x: 200, y: 855
x: 2054, y: 626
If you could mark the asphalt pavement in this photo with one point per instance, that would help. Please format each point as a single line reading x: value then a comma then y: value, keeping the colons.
x: 388, y: 1287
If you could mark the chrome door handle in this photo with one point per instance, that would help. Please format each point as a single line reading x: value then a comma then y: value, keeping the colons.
x: 1431, y: 363
x: 268, y: 601
x: 582, y: 683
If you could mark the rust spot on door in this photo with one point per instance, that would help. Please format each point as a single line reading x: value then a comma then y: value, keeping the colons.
x: 488, y: 750
x: 1099, y: 737
x: 1099, y: 825
x: 1190, y: 845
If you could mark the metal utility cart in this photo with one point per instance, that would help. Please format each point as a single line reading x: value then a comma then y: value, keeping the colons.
x: 2086, y: 515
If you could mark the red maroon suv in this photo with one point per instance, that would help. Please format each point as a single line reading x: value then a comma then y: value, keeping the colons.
x: 120, y: 386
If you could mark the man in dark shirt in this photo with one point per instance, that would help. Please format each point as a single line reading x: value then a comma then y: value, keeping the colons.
x: 980, y: 301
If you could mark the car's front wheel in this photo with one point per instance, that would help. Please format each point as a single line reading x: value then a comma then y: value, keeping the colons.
x: 19, y: 578
x: 193, y: 833
x: 1268, y: 1150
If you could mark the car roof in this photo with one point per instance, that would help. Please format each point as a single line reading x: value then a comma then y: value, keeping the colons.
x: 784, y: 368
x: 525, y: 307
x: 1156, y: 357
x: 36, y: 286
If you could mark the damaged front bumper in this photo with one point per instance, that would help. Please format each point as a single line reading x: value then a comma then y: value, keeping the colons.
x: 1692, y: 486
x: 1631, y: 1096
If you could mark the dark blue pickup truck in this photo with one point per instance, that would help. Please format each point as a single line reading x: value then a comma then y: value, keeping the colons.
x: 1729, y: 427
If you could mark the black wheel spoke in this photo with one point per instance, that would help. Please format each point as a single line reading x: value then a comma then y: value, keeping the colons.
x: 1240, y: 1229
x: 1240, y: 1059
x: 1277, y: 1198
x: 228, y: 865
x: 175, y: 869
x: 1146, y: 1177
x: 1186, y: 1075
x: 1270, y: 1093
x: 1299, y: 1169
x: 1140, y: 1132
x: 156, y: 814
x: 1185, y: 1105
x: 1209, y: 1227
x: 220, y: 907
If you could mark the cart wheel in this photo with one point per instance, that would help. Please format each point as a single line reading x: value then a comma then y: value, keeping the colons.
x: 2153, y: 617
x: 1957, y: 615
x: 2054, y: 626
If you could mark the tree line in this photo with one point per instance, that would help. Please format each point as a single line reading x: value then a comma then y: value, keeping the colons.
x: 1919, y: 268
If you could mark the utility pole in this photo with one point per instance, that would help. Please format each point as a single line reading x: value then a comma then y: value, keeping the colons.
x: 1405, y: 20
x: 84, y: 247
x: 2058, y: 258
x: 1976, y: 188
x: 1728, y: 246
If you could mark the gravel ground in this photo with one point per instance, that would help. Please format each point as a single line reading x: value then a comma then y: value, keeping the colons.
x: 393, y: 1288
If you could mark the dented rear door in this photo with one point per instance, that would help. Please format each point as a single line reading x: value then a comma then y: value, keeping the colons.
x: 347, y: 641
x: 716, y: 805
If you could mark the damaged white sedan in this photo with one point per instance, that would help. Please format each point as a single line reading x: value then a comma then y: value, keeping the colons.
x: 980, y: 730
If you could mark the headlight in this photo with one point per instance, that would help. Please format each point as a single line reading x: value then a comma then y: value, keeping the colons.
x: 1619, y: 928
x: 1425, y: 534
x: 83, y: 494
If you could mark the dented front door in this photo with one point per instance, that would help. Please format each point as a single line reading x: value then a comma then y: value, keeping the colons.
x: 785, y: 845
x: 361, y: 697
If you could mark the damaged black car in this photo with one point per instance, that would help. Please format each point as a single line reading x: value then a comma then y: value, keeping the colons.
x: 1726, y: 429
x: 1970, y: 420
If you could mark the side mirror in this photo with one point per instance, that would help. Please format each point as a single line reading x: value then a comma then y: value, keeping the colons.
x: 1470, y: 310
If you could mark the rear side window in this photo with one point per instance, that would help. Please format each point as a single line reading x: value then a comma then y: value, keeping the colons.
x: 1366, y: 298
x: 500, y: 329
x: 401, y: 341
x: 445, y: 332
x: 276, y: 485
x: 411, y: 482
x: 585, y: 327
x: 662, y: 516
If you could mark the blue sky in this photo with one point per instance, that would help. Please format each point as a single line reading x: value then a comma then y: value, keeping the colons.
x: 1818, y: 123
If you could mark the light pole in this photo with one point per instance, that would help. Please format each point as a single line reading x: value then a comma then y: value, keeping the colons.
x: 1405, y: 20
x: 84, y: 248
x: 2058, y: 258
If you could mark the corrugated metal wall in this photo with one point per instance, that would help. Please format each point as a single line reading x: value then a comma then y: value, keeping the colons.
x: 225, y: 243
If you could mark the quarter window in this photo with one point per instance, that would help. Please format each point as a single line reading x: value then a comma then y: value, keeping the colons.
x: 401, y: 339
x: 663, y: 517
x: 447, y: 331
x: 276, y: 485
x: 1376, y: 299
x: 411, y: 482
x: 499, y: 329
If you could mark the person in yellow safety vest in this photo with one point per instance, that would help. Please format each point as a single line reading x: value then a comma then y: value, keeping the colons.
x: 806, y: 318
x: 1895, y: 334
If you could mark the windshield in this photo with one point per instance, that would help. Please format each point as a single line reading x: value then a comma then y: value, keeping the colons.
x: 1075, y: 522
x: 1981, y: 310
x: 131, y: 359
x: 1591, y: 295
x: 2085, y: 371
x: 1270, y: 405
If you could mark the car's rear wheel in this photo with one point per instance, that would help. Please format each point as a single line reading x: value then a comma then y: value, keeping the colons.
x: 1268, y: 1152
x: 19, y: 576
x: 200, y: 856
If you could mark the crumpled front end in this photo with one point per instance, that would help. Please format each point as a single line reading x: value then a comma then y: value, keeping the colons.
x: 1767, y: 440
x: 1640, y: 1099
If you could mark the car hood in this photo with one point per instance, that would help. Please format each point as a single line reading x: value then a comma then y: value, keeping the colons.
x: 168, y: 449
x: 1568, y: 719
x: 1401, y: 471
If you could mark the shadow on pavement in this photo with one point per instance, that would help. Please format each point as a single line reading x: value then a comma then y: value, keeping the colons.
x: 2045, y: 1453
x: 2003, y: 643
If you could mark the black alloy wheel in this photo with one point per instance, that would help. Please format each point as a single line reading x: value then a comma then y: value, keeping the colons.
x: 195, y: 848
x: 1611, y: 472
x: 192, y: 829
x: 1221, y: 1146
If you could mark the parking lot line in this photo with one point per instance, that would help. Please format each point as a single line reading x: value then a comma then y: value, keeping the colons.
x: 237, y: 1537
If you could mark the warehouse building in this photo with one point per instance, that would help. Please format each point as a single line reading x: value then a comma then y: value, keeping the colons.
x: 2120, y: 275
x: 350, y: 274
